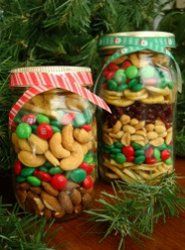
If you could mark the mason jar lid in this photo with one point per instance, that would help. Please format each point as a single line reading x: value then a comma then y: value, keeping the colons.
x: 138, y: 38
x: 51, y: 69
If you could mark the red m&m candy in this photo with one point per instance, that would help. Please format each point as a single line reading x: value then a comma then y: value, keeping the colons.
x: 59, y: 181
x: 43, y: 176
x: 67, y: 118
x: 88, y: 182
x: 29, y: 118
x: 126, y: 64
x: 44, y: 131
x: 130, y: 158
x: 113, y: 67
x: 88, y: 168
x: 87, y: 127
x: 165, y: 154
x: 128, y: 151
x: 17, y: 167
x: 149, y: 152
x: 150, y: 160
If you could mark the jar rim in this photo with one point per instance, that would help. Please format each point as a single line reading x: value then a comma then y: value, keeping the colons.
x: 142, y: 33
x: 51, y: 69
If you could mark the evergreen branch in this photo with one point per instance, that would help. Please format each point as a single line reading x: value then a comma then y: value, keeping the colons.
x: 134, y: 209
x: 22, y: 231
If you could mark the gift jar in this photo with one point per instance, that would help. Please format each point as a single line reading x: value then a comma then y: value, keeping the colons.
x: 53, y: 133
x: 139, y: 83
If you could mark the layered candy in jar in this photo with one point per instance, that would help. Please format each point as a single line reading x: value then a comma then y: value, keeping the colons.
x: 54, y: 140
x: 139, y: 83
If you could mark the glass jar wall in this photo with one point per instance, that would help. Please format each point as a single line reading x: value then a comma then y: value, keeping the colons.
x: 54, y: 140
x: 140, y: 88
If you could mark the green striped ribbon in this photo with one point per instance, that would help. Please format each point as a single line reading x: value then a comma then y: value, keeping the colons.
x: 130, y: 44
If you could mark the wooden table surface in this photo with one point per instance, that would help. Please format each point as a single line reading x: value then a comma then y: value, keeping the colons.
x: 78, y: 234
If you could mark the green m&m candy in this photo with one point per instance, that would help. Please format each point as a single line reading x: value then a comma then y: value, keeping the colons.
x: 44, y: 169
x: 139, y: 159
x: 137, y: 87
x: 55, y: 170
x: 136, y: 145
x: 23, y: 130
x: 42, y: 119
x: 131, y: 72
x: 139, y: 152
x: 157, y: 154
x: 120, y: 158
x: 34, y: 181
x: 78, y: 175
x: 116, y: 150
x: 118, y: 144
x: 27, y: 171
x: 89, y: 158
x: 122, y: 87
x: 112, y: 85
x: 88, y: 115
x: 120, y: 76
x: 55, y: 129
x: 169, y: 161
x: 79, y: 120
x: 20, y: 179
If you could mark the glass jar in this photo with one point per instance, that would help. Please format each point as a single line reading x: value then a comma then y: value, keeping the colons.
x: 53, y: 132
x: 139, y: 82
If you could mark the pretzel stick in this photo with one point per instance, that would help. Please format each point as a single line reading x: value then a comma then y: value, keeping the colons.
x: 120, y: 174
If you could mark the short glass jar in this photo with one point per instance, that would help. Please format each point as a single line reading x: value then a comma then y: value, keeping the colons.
x: 53, y: 132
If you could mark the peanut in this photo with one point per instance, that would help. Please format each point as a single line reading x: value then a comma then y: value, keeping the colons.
x: 160, y: 129
x: 125, y: 119
x: 32, y: 160
x: 157, y: 142
x: 168, y: 138
x: 125, y: 140
x: 39, y: 146
x: 108, y: 140
x: 134, y: 122
x: 137, y: 138
x: 141, y: 132
x: 129, y: 129
x: 140, y: 125
x: 150, y: 127
x: 117, y: 127
x: 117, y: 135
x: 152, y: 135
x: 142, y: 143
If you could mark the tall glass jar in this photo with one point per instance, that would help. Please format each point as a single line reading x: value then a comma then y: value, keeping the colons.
x: 53, y: 133
x: 139, y: 82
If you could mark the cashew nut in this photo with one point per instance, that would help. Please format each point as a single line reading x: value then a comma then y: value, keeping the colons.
x: 74, y: 102
x: 32, y: 160
x: 24, y: 145
x: 74, y: 160
x: 56, y: 148
x: 82, y: 136
x: 15, y: 141
x: 86, y: 147
x: 51, y: 158
x: 67, y: 137
x: 39, y: 146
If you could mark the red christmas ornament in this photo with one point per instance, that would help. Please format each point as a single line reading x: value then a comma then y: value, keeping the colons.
x: 88, y: 168
x: 43, y: 176
x: 165, y: 154
x: 17, y: 168
x: 150, y: 160
x: 58, y: 181
x: 88, y: 182
x: 128, y: 151
x: 29, y: 118
x: 149, y: 152
x: 44, y: 131
x: 87, y: 127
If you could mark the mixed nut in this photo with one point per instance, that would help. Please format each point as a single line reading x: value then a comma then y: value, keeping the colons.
x: 56, y: 154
